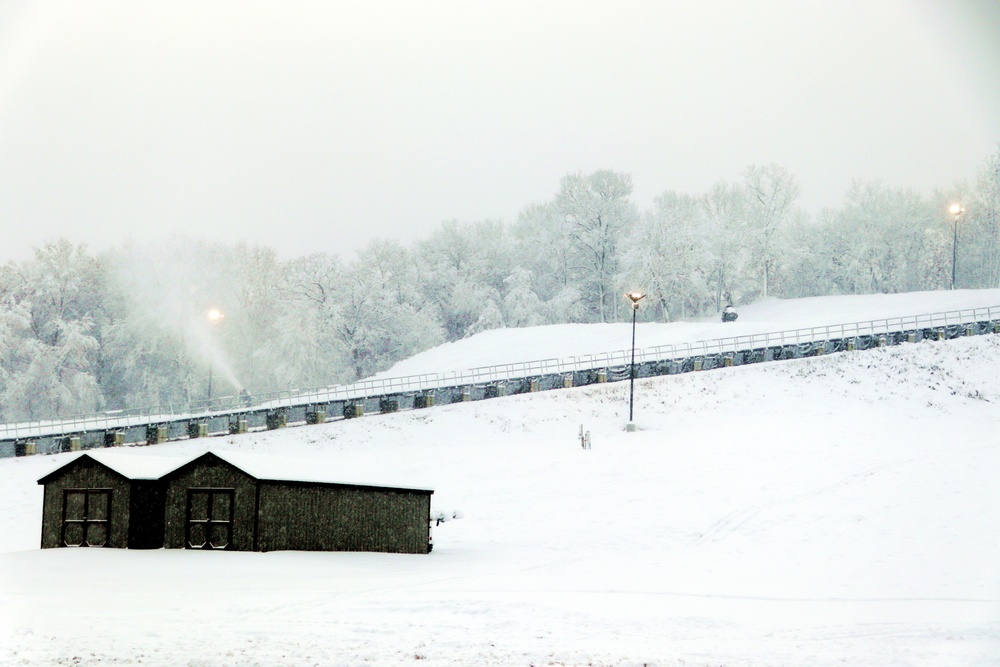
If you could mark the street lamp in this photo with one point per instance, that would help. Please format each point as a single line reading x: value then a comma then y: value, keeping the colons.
x: 214, y: 317
x: 635, y: 298
x: 956, y: 210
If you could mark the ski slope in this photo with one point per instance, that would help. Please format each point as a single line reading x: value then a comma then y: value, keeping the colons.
x: 508, y: 346
x: 823, y: 511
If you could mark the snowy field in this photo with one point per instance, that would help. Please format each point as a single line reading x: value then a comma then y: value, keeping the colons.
x: 507, y: 346
x: 840, y: 510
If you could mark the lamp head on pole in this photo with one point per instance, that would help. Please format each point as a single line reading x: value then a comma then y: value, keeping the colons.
x: 956, y: 209
x: 215, y: 315
x: 635, y: 297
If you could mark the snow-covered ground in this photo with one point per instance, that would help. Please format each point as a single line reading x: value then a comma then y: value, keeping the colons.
x: 508, y: 346
x: 839, y: 510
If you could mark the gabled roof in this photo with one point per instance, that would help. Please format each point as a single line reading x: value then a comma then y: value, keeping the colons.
x: 263, y: 467
x: 134, y: 466
x: 286, y: 469
x: 125, y: 464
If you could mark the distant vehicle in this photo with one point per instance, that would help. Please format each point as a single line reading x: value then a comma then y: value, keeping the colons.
x: 729, y: 314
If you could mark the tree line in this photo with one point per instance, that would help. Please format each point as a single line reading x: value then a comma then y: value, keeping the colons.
x: 83, y: 332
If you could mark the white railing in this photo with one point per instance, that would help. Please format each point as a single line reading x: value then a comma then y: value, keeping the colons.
x: 121, y: 419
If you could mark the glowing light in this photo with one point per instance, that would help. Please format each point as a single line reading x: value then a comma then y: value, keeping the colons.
x: 635, y: 297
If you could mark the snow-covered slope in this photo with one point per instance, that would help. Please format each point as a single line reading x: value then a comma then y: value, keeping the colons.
x: 505, y: 346
x: 825, y: 511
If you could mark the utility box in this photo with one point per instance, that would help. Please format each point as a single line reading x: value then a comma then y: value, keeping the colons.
x: 533, y: 384
x: 820, y: 350
x: 355, y: 409
x: 24, y: 448
x: 911, y: 337
x: 114, y: 438
x: 276, y: 419
x: 851, y: 345
x: 602, y: 376
x: 727, y: 361
x: 386, y: 405
x: 238, y: 425
x: 198, y: 430
x: 425, y: 400
x: 697, y: 364
x: 316, y: 416
x: 156, y: 434
x: 567, y: 381
x: 494, y: 391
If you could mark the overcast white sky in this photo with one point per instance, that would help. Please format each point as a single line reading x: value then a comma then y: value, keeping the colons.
x: 319, y: 126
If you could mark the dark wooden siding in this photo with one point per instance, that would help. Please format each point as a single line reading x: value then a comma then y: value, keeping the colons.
x: 209, y: 472
x: 85, y: 473
x: 322, y: 517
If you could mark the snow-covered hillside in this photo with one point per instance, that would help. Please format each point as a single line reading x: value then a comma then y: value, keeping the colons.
x: 824, y: 511
x: 506, y: 346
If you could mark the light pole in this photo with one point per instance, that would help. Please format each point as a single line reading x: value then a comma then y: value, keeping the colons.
x: 956, y: 210
x: 635, y: 297
x: 214, y: 317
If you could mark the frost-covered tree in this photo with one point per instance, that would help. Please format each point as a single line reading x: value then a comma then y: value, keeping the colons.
x: 50, y: 350
x: 599, y: 212
x: 666, y: 256
x: 309, y: 349
x: 725, y: 238
x: 981, y: 228
x: 489, y: 318
x: 885, y: 229
x: 521, y: 304
x: 462, y: 268
x: 771, y: 191
x: 543, y: 245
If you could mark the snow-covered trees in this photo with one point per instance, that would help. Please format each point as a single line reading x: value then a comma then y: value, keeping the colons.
x: 770, y: 193
x: 462, y: 269
x: 128, y: 328
x: 50, y: 306
x: 981, y: 229
x: 667, y: 253
x: 599, y: 213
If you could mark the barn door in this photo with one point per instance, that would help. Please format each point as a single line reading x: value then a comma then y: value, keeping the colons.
x: 209, y: 519
x: 86, y: 518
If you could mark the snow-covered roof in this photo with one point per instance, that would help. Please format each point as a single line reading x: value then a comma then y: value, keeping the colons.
x: 261, y: 466
x: 129, y: 464
x: 288, y: 469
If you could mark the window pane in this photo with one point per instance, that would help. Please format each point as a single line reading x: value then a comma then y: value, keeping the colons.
x: 221, y: 503
x: 199, y: 505
x: 97, y: 505
x: 196, y: 536
x: 219, y: 534
x: 73, y: 534
x: 97, y: 534
x: 74, y: 505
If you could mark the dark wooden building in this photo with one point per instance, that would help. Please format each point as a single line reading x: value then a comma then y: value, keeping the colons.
x: 228, y: 501
x: 105, y: 501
